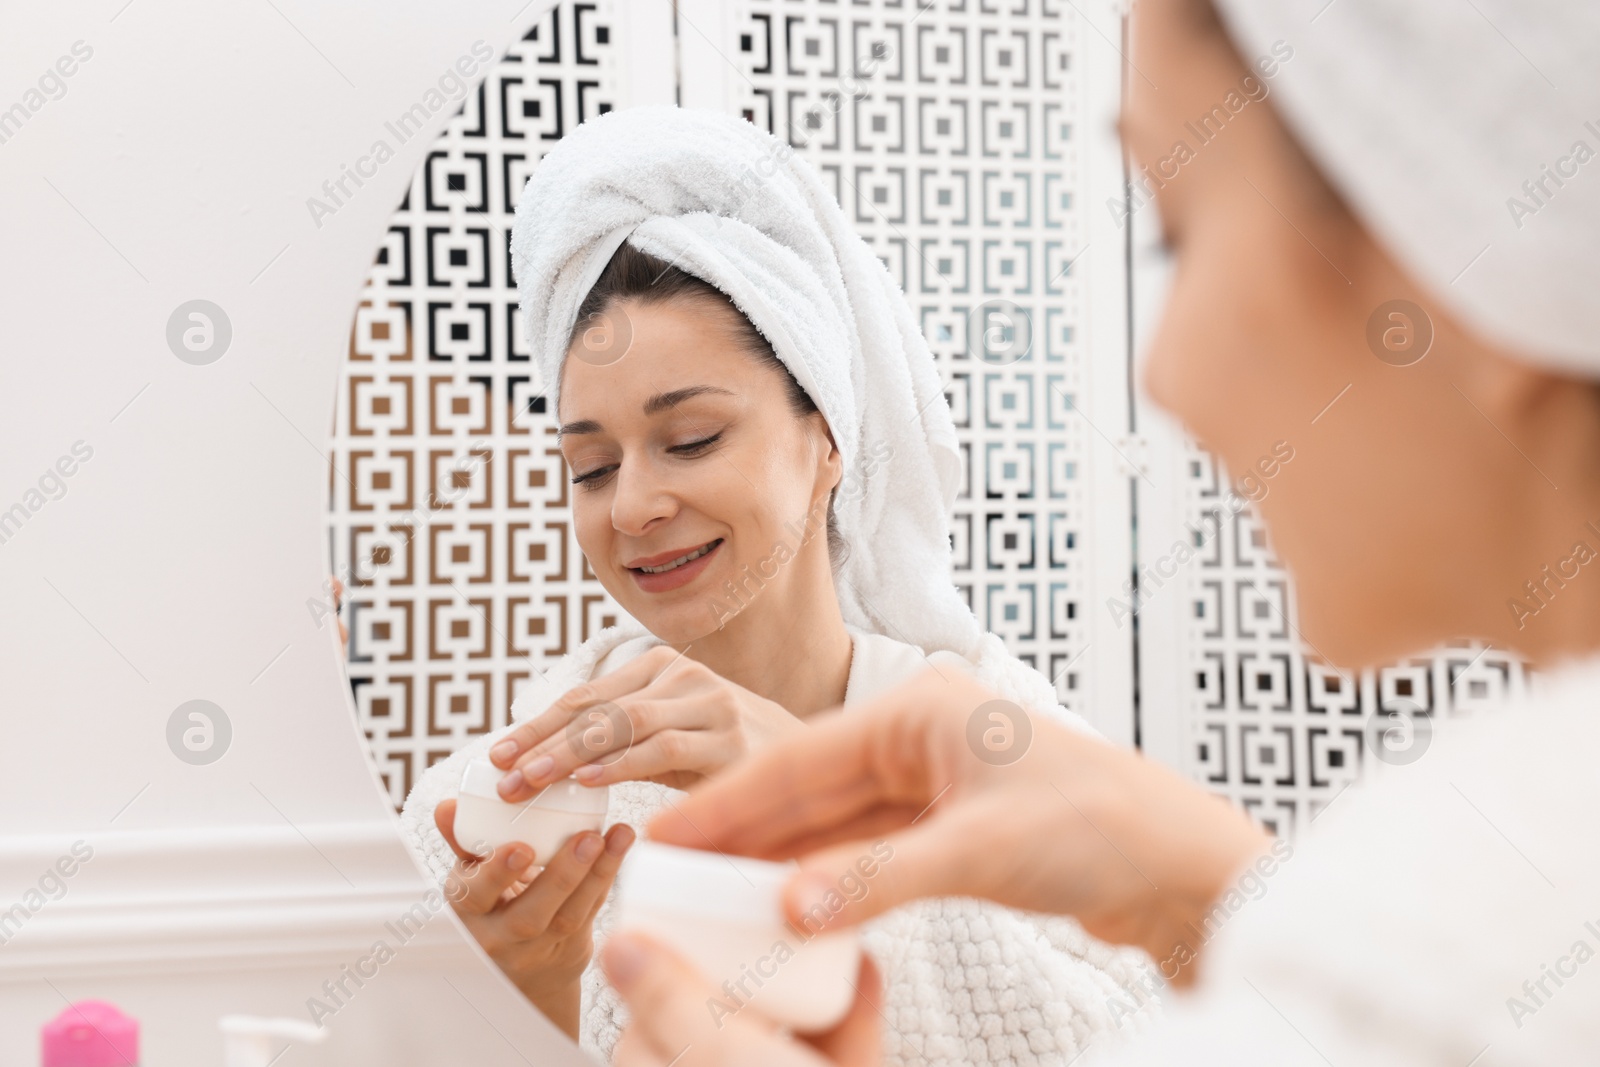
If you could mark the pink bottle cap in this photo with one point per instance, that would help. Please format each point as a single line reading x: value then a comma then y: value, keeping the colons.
x: 90, y: 1033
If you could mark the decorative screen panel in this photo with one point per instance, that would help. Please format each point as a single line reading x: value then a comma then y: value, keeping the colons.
x: 1268, y: 725
x: 969, y: 143
x: 449, y: 518
x: 956, y: 141
x: 954, y: 137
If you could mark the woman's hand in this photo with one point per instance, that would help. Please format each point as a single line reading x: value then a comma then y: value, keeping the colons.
x: 667, y: 997
x: 537, y: 925
x: 1070, y: 825
x: 338, y: 614
x: 661, y: 717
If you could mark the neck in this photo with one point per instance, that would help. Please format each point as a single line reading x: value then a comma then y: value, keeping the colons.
x: 1554, y: 610
x: 788, y: 645
x: 1547, y: 596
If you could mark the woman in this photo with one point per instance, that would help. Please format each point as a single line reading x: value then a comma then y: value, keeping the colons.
x: 763, y: 465
x: 1448, y: 912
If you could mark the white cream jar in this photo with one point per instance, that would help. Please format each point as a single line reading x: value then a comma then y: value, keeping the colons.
x: 723, y: 914
x: 544, y: 823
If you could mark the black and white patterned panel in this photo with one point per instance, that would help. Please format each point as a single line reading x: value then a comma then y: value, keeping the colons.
x: 951, y: 136
x: 449, y: 498
x: 1265, y: 723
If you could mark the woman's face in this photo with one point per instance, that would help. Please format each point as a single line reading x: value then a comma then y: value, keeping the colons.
x: 1398, y: 514
x: 698, y: 493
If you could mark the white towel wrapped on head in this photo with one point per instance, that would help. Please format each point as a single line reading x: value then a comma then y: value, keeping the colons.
x: 1463, y: 134
x: 734, y: 206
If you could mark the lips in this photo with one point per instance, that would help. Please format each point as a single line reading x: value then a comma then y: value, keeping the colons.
x: 666, y: 561
x: 678, y: 561
x: 670, y: 570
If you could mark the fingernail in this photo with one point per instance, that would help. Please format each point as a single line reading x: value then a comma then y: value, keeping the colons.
x: 510, y: 784
x: 625, y: 959
x: 588, y: 848
x: 538, y: 768
x: 618, y: 842
x: 589, y: 772
x: 504, y: 752
x: 518, y: 859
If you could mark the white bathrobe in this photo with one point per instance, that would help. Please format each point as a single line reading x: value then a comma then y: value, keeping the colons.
x: 1447, y: 913
x: 965, y: 982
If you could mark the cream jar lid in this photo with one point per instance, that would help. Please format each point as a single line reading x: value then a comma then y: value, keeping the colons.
x: 481, y: 778
x: 688, y: 881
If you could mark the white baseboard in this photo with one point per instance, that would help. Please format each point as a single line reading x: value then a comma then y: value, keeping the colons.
x: 181, y: 927
x: 231, y: 898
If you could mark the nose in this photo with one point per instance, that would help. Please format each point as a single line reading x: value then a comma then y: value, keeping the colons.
x: 642, y: 500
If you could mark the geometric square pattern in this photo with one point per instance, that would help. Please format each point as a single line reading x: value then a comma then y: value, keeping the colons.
x: 1266, y: 724
x: 949, y: 137
x: 448, y: 516
x: 952, y: 140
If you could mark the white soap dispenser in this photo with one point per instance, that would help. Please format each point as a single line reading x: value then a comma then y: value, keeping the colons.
x: 247, y: 1040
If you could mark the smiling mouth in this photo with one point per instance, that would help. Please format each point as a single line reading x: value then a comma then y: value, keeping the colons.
x: 672, y: 565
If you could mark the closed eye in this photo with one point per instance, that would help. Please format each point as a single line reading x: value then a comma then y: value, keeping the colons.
x: 592, y: 479
x: 694, y: 448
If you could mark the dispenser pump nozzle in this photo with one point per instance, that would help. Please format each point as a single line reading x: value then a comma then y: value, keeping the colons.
x: 248, y: 1039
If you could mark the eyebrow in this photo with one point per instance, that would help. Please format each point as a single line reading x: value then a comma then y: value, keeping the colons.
x: 654, y: 406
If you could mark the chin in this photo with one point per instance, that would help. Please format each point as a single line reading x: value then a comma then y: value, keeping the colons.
x: 1359, y: 602
x: 1357, y: 629
x: 677, y: 620
x: 679, y: 627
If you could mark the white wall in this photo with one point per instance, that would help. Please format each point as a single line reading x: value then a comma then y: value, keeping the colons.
x: 179, y: 562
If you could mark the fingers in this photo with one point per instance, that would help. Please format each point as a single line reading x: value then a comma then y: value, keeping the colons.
x: 899, y: 749
x: 637, y: 673
x: 856, y: 1042
x: 600, y: 738
x: 869, y: 825
x: 444, y: 817
x: 845, y: 885
x: 482, y: 884
x: 635, y: 738
x: 816, y: 781
x: 660, y: 753
x: 757, y: 801
x: 671, y: 1027
x: 632, y: 1051
x: 338, y: 605
x: 666, y: 997
x: 530, y: 914
x: 583, y: 904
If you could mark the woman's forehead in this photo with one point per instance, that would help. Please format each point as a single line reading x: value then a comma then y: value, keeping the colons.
x: 679, y: 359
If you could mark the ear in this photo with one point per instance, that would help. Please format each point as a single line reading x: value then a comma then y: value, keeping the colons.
x: 1551, y: 417
x: 830, y: 461
x: 1514, y: 392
